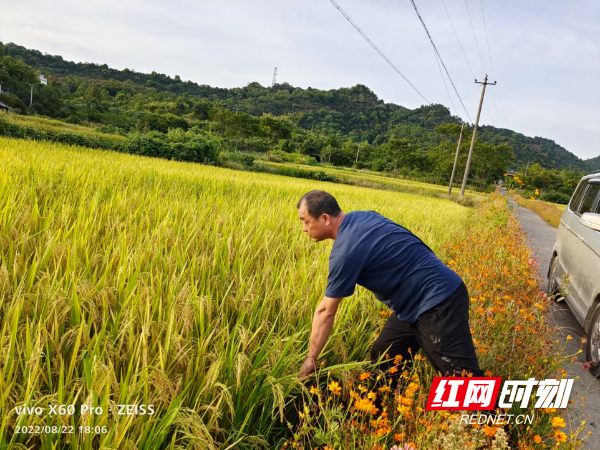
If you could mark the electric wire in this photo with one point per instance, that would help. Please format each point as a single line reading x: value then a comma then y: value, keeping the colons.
x: 439, y: 56
x: 377, y: 49
x: 468, y: 95
x: 475, y: 36
x: 491, y: 63
x: 459, y: 44
x: 479, y: 52
x: 445, y: 85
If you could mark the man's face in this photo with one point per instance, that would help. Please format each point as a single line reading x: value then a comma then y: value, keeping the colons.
x: 317, y: 228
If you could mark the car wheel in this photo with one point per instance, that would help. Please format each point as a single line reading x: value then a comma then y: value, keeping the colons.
x: 593, y: 343
x: 553, y: 287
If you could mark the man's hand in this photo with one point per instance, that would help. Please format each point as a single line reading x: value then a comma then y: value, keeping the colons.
x: 309, y: 366
x: 321, y: 326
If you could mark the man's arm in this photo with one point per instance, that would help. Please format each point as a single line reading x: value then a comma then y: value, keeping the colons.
x: 321, y: 327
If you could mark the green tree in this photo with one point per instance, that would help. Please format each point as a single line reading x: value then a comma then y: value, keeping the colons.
x: 398, y: 151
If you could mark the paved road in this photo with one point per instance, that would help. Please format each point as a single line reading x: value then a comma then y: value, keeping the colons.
x: 541, y: 237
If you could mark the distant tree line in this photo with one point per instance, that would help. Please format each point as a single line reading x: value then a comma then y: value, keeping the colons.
x: 345, y: 127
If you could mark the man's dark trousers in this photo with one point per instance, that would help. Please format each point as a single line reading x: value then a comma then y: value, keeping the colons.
x: 442, y: 332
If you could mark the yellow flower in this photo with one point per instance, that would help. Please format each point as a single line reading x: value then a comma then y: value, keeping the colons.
x: 402, y: 409
x: 560, y: 436
x: 413, y: 387
x: 335, y: 388
x: 364, y: 376
x: 406, y: 401
x: 314, y: 390
x: 366, y: 405
x: 558, y: 422
x: 372, y: 395
x: 537, y: 439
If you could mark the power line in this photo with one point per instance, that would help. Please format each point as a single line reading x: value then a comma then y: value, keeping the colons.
x: 377, y: 49
x: 439, y: 56
x: 480, y: 56
x: 491, y: 63
x: 445, y: 85
x: 475, y: 36
x: 455, y: 34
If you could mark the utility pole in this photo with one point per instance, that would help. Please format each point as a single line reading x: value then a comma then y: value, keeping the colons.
x: 527, y: 168
x: 462, y: 128
x: 31, y: 98
x: 274, y: 77
x: 357, y: 152
x: 464, y: 183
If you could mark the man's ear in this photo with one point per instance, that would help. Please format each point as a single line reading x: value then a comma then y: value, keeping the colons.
x: 327, y: 218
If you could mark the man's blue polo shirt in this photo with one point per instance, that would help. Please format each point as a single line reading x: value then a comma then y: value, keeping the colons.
x: 391, y: 262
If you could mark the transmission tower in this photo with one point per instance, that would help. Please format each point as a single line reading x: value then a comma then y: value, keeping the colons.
x: 274, y: 77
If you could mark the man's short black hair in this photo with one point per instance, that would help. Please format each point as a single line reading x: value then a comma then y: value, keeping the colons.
x: 320, y: 202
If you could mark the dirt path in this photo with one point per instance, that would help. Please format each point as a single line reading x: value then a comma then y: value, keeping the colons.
x: 541, y: 237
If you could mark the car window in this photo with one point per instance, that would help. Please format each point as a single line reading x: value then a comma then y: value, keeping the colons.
x: 574, y: 203
x: 589, y: 199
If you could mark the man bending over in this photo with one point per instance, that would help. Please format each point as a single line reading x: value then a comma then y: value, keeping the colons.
x: 429, y: 301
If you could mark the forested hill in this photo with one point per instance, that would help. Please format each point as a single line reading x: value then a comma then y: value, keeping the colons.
x: 593, y: 164
x: 342, y: 114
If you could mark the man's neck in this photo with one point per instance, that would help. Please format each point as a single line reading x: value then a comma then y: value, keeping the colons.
x: 338, y: 221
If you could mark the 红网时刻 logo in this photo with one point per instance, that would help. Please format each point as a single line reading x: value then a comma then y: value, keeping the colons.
x: 481, y: 393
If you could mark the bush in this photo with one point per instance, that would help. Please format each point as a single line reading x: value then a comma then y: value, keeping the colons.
x: 241, y: 158
x: 295, y: 158
x: 73, y: 119
x: 147, y: 144
x: 556, y: 197
x: 177, y: 144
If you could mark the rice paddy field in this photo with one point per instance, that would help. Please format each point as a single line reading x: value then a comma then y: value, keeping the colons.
x: 134, y: 281
x: 57, y: 126
x: 378, y: 180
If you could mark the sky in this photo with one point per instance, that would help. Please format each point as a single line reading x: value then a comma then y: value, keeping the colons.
x: 544, y: 54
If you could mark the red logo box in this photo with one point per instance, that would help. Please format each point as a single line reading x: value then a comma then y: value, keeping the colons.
x: 463, y: 393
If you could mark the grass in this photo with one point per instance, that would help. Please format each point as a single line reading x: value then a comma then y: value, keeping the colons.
x: 44, y: 123
x: 558, y: 205
x: 132, y: 280
x: 129, y: 280
x: 550, y: 212
x: 375, y: 180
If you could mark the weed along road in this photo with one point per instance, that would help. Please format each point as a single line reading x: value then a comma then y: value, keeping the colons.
x: 541, y: 236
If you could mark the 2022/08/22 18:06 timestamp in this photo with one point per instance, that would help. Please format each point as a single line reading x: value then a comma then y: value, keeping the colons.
x: 62, y: 429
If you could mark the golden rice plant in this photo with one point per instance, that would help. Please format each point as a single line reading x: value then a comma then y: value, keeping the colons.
x: 131, y: 280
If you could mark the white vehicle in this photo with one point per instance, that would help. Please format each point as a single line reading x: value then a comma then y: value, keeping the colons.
x: 575, y: 265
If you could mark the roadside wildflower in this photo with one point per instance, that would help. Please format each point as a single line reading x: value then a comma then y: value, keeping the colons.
x: 314, y: 390
x: 489, y: 431
x: 537, y: 439
x: 558, y: 422
x: 560, y: 436
x: 335, y: 388
x: 364, y: 376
